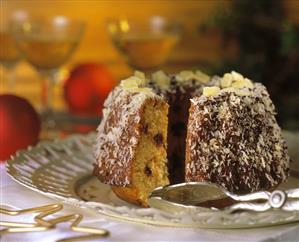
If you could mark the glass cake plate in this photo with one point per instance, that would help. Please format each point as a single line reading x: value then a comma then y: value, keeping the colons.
x: 62, y: 169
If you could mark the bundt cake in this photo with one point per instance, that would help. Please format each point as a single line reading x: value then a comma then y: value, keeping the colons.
x: 229, y: 135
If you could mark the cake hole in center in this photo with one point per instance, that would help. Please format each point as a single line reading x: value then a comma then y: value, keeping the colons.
x: 158, y: 138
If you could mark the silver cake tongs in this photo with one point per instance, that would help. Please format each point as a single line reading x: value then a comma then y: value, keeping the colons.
x: 203, y: 195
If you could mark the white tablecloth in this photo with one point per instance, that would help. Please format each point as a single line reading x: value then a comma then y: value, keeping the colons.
x: 20, y: 197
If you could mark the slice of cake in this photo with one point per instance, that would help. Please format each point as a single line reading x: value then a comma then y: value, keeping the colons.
x: 131, y: 149
x: 233, y: 138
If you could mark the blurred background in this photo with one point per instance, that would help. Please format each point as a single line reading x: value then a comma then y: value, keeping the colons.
x: 259, y: 39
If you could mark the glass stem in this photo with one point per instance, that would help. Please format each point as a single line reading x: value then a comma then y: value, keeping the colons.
x: 47, y: 90
x: 11, y: 75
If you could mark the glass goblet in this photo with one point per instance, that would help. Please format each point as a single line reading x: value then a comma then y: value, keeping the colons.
x: 47, y: 43
x: 146, y: 45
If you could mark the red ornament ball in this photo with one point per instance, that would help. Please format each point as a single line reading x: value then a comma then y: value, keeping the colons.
x: 19, y: 125
x: 87, y: 88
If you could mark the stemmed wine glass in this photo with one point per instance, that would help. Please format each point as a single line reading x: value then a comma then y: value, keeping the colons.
x: 47, y: 43
x: 146, y: 45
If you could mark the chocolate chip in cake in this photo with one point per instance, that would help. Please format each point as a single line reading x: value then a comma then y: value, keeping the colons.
x: 144, y: 128
x: 147, y: 171
x: 158, y: 138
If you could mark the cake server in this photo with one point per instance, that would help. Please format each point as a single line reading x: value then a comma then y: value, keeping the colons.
x: 203, y: 196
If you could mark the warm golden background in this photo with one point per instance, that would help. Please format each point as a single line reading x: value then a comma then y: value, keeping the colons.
x: 194, y: 49
x: 96, y: 45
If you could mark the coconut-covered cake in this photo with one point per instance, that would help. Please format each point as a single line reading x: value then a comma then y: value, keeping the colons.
x: 229, y: 134
x: 233, y: 138
x: 131, y: 145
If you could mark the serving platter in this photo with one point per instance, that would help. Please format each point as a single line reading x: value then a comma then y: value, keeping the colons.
x: 62, y: 169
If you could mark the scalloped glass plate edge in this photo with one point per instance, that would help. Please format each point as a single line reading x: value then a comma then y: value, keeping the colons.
x: 38, y: 167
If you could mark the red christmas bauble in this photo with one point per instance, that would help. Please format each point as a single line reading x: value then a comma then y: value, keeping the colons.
x: 87, y: 88
x: 19, y: 125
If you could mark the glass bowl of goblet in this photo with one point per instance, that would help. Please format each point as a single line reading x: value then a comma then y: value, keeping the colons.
x: 145, y: 44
